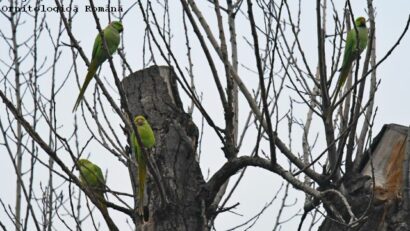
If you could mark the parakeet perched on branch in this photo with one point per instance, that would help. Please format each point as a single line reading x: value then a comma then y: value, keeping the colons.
x: 99, y: 55
x: 92, y: 178
x: 148, y: 141
x: 353, y: 49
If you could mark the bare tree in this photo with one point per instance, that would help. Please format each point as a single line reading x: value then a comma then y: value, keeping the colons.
x: 261, y: 75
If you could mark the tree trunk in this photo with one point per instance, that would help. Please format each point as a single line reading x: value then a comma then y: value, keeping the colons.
x: 153, y: 92
x: 380, y: 207
x: 378, y: 215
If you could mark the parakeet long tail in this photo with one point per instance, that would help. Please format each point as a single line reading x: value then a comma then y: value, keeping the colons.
x: 344, y: 73
x: 102, y: 201
x: 142, y: 175
x: 91, y: 72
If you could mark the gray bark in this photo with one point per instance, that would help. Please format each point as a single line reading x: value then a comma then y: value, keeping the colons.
x: 153, y: 92
x: 382, y: 207
x: 377, y: 216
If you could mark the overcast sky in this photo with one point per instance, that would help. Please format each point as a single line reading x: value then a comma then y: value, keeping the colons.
x: 258, y: 186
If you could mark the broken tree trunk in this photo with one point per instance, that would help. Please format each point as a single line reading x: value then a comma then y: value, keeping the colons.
x: 377, y: 191
x: 153, y: 92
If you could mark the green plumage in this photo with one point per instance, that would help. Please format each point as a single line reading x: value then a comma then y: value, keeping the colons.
x: 353, y: 49
x: 92, y: 178
x: 148, y: 140
x: 99, y: 55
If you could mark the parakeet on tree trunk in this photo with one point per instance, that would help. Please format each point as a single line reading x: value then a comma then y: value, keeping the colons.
x: 92, y: 178
x: 148, y: 141
x: 353, y: 49
x: 99, y: 55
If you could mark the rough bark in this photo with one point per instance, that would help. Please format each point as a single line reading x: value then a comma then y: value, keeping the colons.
x: 153, y: 92
x: 381, y: 206
x: 377, y: 216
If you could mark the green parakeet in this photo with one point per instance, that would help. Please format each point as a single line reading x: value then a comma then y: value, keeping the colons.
x: 148, y: 140
x: 353, y: 49
x: 99, y: 55
x: 92, y: 178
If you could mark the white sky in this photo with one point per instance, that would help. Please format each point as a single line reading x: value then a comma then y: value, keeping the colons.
x: 258, y: 186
